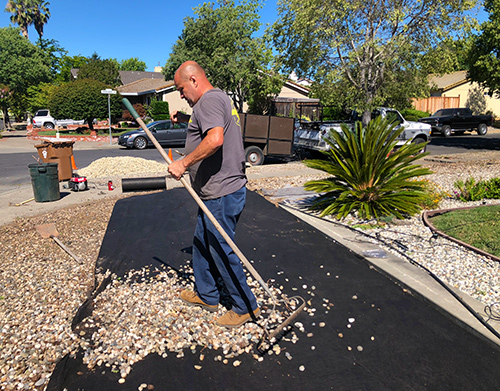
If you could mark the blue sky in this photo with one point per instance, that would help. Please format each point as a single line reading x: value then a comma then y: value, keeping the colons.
x: 124, y: 29
x: 121, y: 29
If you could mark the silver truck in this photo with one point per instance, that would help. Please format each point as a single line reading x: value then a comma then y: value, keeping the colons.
x: 310, y: 135
x: 43, y: 118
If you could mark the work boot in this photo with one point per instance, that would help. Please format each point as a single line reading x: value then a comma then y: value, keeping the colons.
x: 231, y: 319
x: 192, y: 298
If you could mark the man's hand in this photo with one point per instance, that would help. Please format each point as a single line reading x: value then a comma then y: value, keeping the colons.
x: 208, y: 146
x: 177, y: 169
x: 177, y: 117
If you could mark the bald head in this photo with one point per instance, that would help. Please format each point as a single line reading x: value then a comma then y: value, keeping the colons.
x: 190, y: 68
x: 191, y: 82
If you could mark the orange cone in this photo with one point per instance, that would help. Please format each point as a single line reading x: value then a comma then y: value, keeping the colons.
x: 73, y: 165
x: 170, y: 154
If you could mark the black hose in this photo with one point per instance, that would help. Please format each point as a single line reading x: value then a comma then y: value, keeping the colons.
x: 143, y: 184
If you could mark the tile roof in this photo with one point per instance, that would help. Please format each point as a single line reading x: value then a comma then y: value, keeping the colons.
x: 144, y: 86
x: 448, y: 81
x: 128, y: 77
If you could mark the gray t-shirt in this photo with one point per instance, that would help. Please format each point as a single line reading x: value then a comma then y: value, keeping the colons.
x: 222, y: 173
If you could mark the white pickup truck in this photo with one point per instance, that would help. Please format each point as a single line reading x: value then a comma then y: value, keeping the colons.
x: 43, y: 118
x: 310, y: 135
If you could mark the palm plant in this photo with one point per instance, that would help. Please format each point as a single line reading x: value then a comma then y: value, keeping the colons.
x: 21, y: 14
x: 27, y: 12
x: 367, y: 175
x: 41, y: 15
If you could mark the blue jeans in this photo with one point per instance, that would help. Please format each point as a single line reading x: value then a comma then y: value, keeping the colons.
x: 213, y: 258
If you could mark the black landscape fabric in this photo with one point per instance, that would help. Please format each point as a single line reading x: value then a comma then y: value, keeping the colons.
x: 396, y: 341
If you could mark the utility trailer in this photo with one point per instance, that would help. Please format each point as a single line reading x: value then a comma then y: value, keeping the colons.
x: 266, y: 135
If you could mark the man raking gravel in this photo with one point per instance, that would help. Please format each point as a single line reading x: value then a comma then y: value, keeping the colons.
x: 216, y: 162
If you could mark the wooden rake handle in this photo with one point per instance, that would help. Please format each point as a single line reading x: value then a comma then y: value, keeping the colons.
x: 66, y: 249
x: 200, y: 203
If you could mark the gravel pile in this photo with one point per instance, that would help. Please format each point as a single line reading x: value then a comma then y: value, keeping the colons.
x: 125, y: 166
x: 41, y: 287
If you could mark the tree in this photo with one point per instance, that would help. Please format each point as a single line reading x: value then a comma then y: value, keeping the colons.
x: 484, y: 57
x: 222, y: 40
x: 5, y: 101
x: 22, y: 65
x: 41, y: 15
x: 28, y: 12
x: 365, y: 40
x: 132, y: 64
x: 83, y: 99
x: 39, y: 96
x: 54, y: 52
x: 104, y: 71
x: 21, y: 15
x: 66, y: 64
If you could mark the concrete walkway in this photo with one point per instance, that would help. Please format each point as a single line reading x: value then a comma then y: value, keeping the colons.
x: 412, y: 277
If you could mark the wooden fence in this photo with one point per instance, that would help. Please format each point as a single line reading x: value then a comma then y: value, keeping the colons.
x: 435, y: 103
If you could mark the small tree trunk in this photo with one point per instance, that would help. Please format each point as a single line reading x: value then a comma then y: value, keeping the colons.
x: 6, y: 120
x: 367, y: 116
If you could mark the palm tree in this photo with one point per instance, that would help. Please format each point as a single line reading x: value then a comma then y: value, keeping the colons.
x: 41, y: 15
x: 21, y: 14
x: 27, y: 12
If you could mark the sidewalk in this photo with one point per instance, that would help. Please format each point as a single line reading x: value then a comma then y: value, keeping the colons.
x: 411, y: 277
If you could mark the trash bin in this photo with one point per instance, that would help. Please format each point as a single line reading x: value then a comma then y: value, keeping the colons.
x: 45, y: 181
x: 59, y: 152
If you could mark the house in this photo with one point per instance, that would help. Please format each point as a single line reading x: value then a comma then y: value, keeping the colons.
x: 143, y: 89
x: 455, y: 90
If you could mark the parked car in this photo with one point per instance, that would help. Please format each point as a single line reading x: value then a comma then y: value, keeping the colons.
x: 164, y: 131
x: 458, y: 120
x: 43, y: 118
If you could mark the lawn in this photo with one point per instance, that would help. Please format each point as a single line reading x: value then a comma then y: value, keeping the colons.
x: 479, y: 227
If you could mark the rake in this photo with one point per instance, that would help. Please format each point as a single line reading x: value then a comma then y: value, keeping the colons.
x: 289, y: 302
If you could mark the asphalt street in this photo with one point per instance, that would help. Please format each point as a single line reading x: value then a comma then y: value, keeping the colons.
x: 13, y: 163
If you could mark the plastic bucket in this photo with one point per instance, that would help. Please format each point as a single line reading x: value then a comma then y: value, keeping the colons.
x: 45, y: 181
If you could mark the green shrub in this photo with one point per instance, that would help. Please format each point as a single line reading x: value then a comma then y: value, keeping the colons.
x: 493, y: 186
x: 470, y: 190
x: 414, y: 115
x: 158, y: 109
x: 367, y: 176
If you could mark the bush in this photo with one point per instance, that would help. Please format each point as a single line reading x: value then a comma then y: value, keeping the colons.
x: 82, y: 99
x: 159, y: 117
x: 470, y: 190
x: 367, y: 176
x: 159, y: 110
x: 493, y: 186
x: 138, y: 107
x: 414, y: 115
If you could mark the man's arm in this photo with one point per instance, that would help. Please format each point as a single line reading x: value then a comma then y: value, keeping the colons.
x: 208, y: 146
